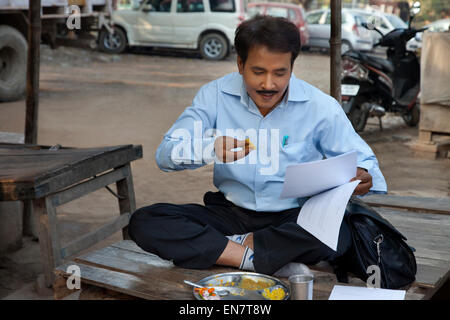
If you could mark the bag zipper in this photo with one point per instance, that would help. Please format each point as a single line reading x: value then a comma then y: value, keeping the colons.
x: 378, y: 240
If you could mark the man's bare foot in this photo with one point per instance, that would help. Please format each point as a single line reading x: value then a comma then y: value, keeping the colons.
x: 249, y: 241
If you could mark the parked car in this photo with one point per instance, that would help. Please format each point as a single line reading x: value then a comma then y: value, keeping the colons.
x: 204, y: 25
x: 415, y: 43
x: 354, y: 36
x: 385, y: 22
x: 292, y: 12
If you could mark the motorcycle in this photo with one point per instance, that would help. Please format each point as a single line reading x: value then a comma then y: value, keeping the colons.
x: 372, y: 86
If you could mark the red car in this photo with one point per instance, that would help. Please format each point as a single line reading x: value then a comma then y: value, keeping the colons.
x: 292, y: 12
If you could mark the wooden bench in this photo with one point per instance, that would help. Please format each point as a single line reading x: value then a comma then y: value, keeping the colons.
x: 45, y: 178
x: 124, y: 271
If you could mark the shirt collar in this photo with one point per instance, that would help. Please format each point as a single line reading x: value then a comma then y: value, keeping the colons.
x: 235, y: 86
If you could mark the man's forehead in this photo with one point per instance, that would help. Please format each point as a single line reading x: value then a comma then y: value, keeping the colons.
x: 259, y: 56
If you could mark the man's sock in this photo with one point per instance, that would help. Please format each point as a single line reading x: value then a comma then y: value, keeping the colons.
x: 238, y: 238
x: 247, y: 260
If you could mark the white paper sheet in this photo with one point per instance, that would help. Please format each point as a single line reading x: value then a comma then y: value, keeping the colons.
x: 322, y: 214
x: 310, y: 178
x: 364, y: 293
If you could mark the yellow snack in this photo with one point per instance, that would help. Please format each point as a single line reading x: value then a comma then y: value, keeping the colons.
x: 250, y: 144
x: 275, y: 294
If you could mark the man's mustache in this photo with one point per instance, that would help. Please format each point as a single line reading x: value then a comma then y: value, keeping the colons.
x: 266, y: 91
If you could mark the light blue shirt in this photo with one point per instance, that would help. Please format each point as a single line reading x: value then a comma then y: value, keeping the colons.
x: 314, y: 122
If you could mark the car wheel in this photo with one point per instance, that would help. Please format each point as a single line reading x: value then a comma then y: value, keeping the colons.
x: 13, y: 64
x: 112, y: 43
x: 213, y: 46
x: 345, y: 46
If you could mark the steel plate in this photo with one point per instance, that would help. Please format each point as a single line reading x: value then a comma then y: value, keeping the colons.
x: 233, y: 281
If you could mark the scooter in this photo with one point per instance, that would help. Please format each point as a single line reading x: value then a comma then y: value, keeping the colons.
x: 372, y: 86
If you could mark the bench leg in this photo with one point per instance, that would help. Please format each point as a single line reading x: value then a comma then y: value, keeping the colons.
x: 48, y: 237
x: 127, y: 201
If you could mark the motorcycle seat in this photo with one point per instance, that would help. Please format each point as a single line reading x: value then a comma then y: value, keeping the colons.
x: 381, y: 63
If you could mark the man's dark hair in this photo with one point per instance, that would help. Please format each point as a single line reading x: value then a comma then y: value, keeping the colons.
x: 276, y: 33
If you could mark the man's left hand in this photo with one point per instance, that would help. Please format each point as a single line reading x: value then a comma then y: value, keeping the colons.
x: 366, y: 182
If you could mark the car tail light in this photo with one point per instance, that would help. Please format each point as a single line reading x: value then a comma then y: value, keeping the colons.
x: 241, y: 18
x: 351, y: 68
x: 355, y: 29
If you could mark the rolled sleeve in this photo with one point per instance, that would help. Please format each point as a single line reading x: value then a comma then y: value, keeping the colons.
x: 189, y: 143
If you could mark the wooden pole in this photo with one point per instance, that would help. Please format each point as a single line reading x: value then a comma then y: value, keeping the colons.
x: 335, y: 49
x: 32, y: 102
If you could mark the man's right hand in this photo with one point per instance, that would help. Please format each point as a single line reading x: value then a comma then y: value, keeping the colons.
x: 223, y: 146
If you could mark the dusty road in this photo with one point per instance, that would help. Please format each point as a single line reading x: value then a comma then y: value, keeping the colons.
x: 89, y: 99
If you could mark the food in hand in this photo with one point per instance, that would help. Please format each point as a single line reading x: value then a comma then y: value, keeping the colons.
x: 250, y: 144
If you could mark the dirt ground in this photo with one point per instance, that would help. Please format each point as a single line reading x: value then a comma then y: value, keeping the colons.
x: 90, y: 99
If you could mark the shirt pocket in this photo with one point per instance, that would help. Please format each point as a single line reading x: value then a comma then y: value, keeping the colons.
x: 296, y: 152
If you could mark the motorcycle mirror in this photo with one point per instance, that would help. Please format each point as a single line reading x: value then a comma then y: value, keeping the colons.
x: 415, y: 8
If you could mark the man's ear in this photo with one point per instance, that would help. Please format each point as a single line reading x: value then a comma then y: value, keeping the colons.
x: 240, y: 64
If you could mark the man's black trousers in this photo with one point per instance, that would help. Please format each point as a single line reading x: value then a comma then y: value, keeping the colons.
x: 193, y: 235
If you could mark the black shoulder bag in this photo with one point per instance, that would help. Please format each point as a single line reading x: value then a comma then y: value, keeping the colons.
x: 375, y: 242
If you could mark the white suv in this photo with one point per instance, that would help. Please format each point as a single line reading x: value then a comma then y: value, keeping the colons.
x: 204, y: 25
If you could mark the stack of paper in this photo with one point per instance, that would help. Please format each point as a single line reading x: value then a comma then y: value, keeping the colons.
x: 328, y: 182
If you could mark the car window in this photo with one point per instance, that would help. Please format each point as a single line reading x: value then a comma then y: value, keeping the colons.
x: 328, y: 18
x: 313, y: 18
x: 222, y: 5
x: 396, y: 21
x: 292, y: 16
x: 190, y: 6
x: 277, y: 12
x: 383, y: 24
x: 253, y: 11
x: 160, y: 5
x: 128, y: 4
x: 359, y: 20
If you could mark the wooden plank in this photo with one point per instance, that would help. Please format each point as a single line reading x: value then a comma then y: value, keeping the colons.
x: 150, y: 268
x: 129, y: 284
x: 428, y: 276
x: 48, y: 238
x: 86, y: 187
x: 127, y: 201
x: 33, y: 173
x: 417, y: 220
x: 424, y: 279
x: 129, y: 245
x: 433, y: 205
x: 95, y: 236
x: 434, y: 117
x: 147, y: 265
x: 424, y: 136
x: 433, y: 262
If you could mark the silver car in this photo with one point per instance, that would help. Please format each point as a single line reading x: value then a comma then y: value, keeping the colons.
x: 385, y: 22
x: 415, y: 43
x: 354, y: 36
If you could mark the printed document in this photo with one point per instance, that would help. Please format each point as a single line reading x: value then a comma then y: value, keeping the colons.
x: 327, y: 181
